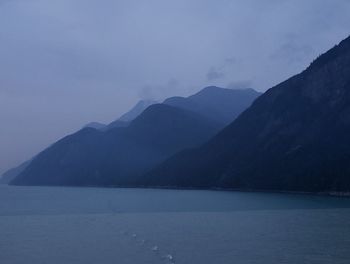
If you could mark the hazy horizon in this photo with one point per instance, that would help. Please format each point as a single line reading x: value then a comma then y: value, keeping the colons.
x: 67, y: 63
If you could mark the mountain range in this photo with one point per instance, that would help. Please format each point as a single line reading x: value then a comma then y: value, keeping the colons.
x: 121, y: 155
x: 122, y: 121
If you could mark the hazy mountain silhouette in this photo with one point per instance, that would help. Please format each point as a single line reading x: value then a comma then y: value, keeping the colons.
x: 295, y: 137
x: 232, y: 103
x: 119, y: 156
x: 125, y: 119
x: 129, y: 116
x: 116, y: 123
x: 92, y: 157
x: 218, y: 104
x: 13, y: 173
x: 136, y: 110
x: 96, y: 125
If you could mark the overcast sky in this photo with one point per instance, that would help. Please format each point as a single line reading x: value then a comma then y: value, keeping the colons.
x: 64, y: 63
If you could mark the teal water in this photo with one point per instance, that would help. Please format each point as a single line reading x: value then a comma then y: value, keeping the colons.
x: 97, y: 225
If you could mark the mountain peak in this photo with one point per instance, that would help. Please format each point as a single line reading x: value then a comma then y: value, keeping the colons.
x: 217, y: 88
x: 211, y: 88
x: 221, y: 105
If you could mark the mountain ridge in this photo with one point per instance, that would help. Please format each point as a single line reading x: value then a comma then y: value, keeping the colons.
x: 119, y: 155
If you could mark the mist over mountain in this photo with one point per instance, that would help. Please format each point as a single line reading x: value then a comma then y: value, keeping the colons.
x: 121, y: 155
x: 295, y: 137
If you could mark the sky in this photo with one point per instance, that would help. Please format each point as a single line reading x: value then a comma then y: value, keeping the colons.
x: 65, y: 63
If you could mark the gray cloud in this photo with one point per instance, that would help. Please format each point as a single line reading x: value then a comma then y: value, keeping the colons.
x: 68, y: 62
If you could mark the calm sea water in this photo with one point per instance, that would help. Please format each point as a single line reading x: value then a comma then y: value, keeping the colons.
x: 96, y: 225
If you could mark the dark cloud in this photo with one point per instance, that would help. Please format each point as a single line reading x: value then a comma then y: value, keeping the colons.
x: 68, y: 62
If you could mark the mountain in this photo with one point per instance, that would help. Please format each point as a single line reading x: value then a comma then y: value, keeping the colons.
x: 136, y: 110
x: 125, y: 119
x: 129, y: 116
x: 116, y: 123
x: 9, y: 175
x: 295, y: 137
x: 96, y: 125
x: 121, y: 155
x: 117, y: 156
x: 231, y: 103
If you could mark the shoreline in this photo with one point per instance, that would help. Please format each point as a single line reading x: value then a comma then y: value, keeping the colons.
x: 219, y: 189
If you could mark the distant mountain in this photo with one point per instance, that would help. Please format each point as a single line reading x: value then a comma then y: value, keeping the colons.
x: 116, y: 123
x: 130, y: 115
x: 136, y: 110
x: 295, y: 137
x: 95, y: 125
x: 117, y: 156
x: 205, y: 102
x: 232, y: 103
x: 125, y: 119
x: 121, y: 155
x: 13, y: 173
